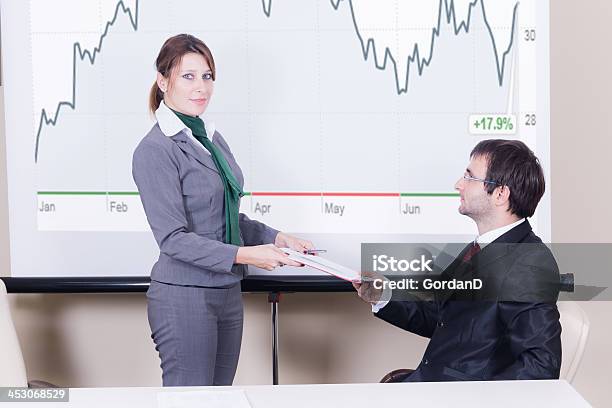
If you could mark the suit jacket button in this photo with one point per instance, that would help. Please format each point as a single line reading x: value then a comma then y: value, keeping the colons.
x: 440, y: 324
x: 425, y: 361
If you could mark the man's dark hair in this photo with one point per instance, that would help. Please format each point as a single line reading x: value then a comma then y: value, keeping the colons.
x: 511, y: 163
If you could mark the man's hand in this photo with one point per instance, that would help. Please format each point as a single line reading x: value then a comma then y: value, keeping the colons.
x: 366, y: 289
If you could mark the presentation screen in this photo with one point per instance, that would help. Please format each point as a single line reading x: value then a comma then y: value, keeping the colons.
x: 351, y: 120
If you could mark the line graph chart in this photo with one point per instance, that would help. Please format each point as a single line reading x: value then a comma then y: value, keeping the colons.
x: 357, y: 115
x: 81, y: 54
x: 446, y: 12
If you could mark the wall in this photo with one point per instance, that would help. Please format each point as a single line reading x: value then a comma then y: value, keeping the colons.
x: 581, y: 143
x: 103, y: 340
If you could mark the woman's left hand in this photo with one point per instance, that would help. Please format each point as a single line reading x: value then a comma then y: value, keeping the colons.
x: 289, y: 241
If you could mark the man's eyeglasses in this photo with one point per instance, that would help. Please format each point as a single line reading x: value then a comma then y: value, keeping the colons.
x: 471, y: 178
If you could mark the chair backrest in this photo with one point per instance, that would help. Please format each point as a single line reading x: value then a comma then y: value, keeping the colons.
x: 12, y: 367
x: 574, y: 333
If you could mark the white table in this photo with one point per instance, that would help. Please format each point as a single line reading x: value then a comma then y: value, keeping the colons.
x: 523, y: 394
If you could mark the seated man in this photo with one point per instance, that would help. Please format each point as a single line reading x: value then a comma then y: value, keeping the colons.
x: 510, y: 330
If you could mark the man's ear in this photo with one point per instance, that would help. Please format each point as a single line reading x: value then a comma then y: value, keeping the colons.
x: 162, y: 82
x: 502, y: 196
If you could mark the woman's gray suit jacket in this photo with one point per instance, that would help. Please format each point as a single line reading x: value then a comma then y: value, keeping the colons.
x: 183, y: 198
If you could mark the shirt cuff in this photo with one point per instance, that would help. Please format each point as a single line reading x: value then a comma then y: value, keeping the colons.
x: 378, y: 305
x: 384, y: 299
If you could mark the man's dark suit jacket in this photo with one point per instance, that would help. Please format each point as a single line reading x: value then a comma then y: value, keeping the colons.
x: 510, y: 330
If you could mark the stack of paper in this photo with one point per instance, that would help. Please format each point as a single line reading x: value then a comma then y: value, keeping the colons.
x: 325, y: 265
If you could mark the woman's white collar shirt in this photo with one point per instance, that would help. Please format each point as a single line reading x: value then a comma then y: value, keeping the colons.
x: 170, y: 125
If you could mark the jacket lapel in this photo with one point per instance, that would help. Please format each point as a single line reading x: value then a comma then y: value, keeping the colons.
x: 185, y: 143
x: 455, y: 270
x: 502, y: 245
x: 489, y: 254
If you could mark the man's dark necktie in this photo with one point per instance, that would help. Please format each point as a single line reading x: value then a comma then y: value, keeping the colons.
x: 474, y: 249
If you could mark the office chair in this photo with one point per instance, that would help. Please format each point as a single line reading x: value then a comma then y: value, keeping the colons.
x: 574, y: 333
x: 12, y: 368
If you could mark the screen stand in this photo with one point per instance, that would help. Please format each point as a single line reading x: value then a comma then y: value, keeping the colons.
x: 274, y: 298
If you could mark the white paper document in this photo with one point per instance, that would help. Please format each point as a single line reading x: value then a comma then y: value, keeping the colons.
x: 208, y: 399
x: 325, y: 265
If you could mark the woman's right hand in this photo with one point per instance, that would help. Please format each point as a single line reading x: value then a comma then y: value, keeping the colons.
x: 264, y: 256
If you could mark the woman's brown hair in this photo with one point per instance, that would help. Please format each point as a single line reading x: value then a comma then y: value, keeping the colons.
x: 170, y: 56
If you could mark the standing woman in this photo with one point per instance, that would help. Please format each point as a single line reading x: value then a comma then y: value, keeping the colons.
x: 190, y: 186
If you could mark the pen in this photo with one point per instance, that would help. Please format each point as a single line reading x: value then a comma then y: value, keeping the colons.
x: 315, y: 251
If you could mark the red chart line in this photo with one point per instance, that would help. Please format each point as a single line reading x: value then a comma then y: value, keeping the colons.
x: 321, y: 194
